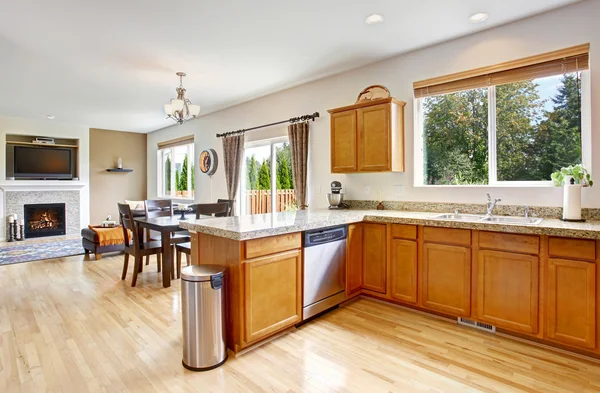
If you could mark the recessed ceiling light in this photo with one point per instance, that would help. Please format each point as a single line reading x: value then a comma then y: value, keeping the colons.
x: 374, y: 19
x: 50, y: 117
x: 479, y: 17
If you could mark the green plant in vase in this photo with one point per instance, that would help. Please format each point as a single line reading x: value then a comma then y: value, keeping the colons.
x: 572, y: 179
x: 577, y: 173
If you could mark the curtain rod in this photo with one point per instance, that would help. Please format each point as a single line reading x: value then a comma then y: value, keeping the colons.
x: 292, y: 120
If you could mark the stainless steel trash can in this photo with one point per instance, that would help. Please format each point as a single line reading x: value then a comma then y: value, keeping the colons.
x: 203, y: 307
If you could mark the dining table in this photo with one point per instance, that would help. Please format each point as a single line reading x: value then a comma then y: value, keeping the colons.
x: 166, y: 226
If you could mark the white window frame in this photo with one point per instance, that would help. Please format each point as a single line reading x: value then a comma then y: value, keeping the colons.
x: 586, y: 145
x: 160, y: 183
x: 259, y: 143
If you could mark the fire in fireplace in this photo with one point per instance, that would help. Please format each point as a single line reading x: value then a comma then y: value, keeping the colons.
x: 46, y: 219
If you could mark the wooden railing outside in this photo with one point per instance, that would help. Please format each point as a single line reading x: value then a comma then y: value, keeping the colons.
x: 259, y: 201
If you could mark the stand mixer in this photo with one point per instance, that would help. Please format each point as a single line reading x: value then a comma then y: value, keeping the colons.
x: 335, y: 197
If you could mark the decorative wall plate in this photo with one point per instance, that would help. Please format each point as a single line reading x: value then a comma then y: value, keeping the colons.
x: 209, y: 161
x: 373, y: 92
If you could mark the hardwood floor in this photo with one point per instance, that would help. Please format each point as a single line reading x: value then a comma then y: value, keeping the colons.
x: 71, y: 325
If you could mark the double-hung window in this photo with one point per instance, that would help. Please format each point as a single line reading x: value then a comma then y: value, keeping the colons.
x: 514, y: 123
x: 175, y: 172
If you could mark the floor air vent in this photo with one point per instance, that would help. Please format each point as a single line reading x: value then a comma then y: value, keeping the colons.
x: 477, y: 325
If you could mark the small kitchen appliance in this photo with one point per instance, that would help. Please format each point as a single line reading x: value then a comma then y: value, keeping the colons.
x: 335, y: 197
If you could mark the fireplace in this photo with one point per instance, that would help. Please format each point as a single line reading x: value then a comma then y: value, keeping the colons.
x: 47, y: 219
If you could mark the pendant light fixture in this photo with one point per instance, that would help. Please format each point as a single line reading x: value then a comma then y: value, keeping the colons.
x: 181, y: 109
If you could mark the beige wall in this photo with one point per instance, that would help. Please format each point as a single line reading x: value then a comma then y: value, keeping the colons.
x: 108, y: 188
x: 558, y: 29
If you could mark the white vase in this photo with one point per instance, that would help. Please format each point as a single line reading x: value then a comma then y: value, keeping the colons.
x: 572, y: 202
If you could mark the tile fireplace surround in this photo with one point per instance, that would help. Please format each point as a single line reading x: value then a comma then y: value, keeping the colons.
x: 15, y: 200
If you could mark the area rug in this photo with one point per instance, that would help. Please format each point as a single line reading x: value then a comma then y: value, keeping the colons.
x: 17, y: 253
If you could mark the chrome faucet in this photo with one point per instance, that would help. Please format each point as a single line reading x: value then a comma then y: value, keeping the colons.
x: 526, y: 210
x: 491, y: 204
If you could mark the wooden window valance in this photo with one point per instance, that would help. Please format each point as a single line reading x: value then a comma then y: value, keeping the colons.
x: 558, y: 62
x: 184, y: 140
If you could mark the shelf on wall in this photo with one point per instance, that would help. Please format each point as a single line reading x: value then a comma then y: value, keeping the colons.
x: 122, y: 170
x: 40, y: 144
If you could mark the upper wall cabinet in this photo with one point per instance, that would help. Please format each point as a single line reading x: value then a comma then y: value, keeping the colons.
x: 368, y: 137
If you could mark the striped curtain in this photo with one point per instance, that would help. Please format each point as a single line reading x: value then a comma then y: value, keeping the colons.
x: 298, y: 135
x: 233, y: 154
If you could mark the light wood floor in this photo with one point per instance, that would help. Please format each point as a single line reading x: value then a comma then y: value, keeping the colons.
x: 71, y: 325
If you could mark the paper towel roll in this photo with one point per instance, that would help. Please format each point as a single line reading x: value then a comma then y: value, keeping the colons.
x: 572, y: 202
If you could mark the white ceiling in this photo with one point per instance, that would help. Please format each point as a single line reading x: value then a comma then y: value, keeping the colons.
x: 112, y: 63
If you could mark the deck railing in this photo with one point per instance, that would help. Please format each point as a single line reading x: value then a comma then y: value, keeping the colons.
x: 259, y: 201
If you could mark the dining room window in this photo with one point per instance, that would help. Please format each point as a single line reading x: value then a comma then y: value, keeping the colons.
x: 176, y: 168
x: 267, y: 184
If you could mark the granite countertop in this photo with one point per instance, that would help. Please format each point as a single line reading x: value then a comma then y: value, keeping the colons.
x: 264, y: 225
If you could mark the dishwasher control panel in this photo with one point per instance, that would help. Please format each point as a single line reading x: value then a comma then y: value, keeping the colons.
x: 327, y: 235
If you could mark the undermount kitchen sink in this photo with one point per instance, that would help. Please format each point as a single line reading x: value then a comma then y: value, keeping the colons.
x: 459, y: 217
x: 513, y: 220
x: 483, y: 218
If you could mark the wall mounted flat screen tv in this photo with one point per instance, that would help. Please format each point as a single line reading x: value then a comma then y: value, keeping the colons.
x: 42, y: 162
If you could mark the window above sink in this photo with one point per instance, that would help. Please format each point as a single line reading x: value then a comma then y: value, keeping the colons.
x: 511, y: 124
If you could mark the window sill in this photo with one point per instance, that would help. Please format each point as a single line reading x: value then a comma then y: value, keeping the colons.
x: 497, y: 185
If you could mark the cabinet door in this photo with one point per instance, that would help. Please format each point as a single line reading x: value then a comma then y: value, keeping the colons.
x: 507, y: 290
x: 446, y: 279
x: 572, y: 302
x: 374, y: 257
x: 404, y: 270
x: 273, y: 293
x: 354, y: 259
x: 343, y: 142
x: 374, y: 138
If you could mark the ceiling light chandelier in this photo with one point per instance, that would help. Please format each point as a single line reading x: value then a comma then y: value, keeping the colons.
x: 181, y: 109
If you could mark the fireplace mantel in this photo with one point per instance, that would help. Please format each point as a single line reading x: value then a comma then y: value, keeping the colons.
x: 41, y: 185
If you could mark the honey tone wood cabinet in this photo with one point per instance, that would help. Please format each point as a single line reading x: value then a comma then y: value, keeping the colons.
x: 404, y: 270
x: 374, y: 153
x: 531, y: 285
x: 273, y: 294
x: 507, y: 290
x: 445, y: 282
x: 354, y: 259
x: 344, y: 156
x: 571, y: 304
x: 374, y: 257
x: 368, y: 137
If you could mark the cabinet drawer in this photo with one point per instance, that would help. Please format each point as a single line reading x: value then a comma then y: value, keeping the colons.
x: 401, y: 231
x: 447, y: 236
x: 273, y: 244
x: 572, y: 248
x: 526, y: 244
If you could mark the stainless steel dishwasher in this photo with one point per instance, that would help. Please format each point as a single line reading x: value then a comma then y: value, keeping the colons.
x: 324, y: 269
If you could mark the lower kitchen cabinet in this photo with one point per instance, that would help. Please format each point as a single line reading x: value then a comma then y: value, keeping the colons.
x: 273, y: 294
x: 446, y: 279
x: 571, y: 310
x: 507, y: 290
x: 354, y: 259
x: 404, y: 270
x: 374, y: 257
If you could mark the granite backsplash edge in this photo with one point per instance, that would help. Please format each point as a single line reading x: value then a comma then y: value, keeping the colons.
x: 590, y: 214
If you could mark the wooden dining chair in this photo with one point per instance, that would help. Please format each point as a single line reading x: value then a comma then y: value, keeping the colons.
x: 162, y: 208
x: 135, y: 247
x: 202, y: 209
x: 230, y: 212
